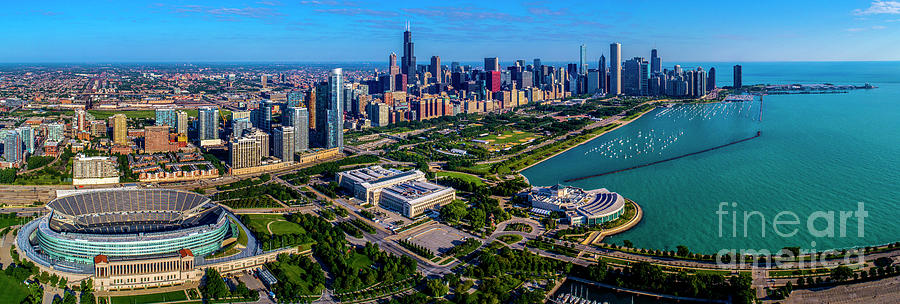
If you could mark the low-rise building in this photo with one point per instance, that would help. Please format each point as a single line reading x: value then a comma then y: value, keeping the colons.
x: 94, y: 170
x: 414, y: 197
x: 581, y: 207
x: 406, y: 192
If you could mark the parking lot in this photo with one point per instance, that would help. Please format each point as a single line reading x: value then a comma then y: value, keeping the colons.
x: 439, y: 238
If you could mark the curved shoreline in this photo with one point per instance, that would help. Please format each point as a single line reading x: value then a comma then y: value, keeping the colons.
x: 620, y: 123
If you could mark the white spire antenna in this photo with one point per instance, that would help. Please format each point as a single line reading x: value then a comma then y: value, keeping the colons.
x: 407, y: 25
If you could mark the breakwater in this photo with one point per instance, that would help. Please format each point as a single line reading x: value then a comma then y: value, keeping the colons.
x: 758, y: 133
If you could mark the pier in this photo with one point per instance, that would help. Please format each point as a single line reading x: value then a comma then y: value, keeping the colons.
x: 758, y: 133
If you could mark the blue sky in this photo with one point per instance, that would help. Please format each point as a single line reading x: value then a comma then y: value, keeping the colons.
x: 337, y: 30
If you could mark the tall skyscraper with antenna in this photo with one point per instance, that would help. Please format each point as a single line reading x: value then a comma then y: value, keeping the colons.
x: 408, y: 62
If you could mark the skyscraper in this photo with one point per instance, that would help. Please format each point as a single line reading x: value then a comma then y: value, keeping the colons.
x: 393, y: 71
x: 711, y: 79
x: 330, y: 116
x: 635, y: 77
x: 492, y: 64
x: 538, y: 73
x: 582, y: 60
x: 262, y: 116
x: 655, y: 62
x: 80, y: 120
x: 240, y: 121
x: 27, y: 134
x: 208, y: 123
x: 435, y: 68
x: 615, y: 69
x: 493, y: 81
x: 181, y: 126
x: 311, y: 105
x: 408, y: 61
x: 737, y: 77
x: 283, y: 140
x: 604, y: 82
x: 298, y: 118
x: 12, y: 146
x: 120, y: 129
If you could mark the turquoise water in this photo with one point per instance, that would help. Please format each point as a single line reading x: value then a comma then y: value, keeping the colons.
x: 816, y: 153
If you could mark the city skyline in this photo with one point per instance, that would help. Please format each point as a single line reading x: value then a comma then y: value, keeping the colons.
x: 342, y: 31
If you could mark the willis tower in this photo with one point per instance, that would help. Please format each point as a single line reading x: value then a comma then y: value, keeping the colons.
x: 408, y: 62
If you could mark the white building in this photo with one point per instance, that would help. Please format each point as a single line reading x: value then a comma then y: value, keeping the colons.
x: 407, y: 192
x: 94, y: 170
x: 581, y: 207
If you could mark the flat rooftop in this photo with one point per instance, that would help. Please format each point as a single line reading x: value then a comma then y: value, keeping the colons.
x: 413, y: 190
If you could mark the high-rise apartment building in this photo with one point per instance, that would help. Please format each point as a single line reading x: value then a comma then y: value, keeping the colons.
x: 181, y: 126
x: 261, y: 117
x: 738, y: 82
x: 166, y: 117
x: 12, y: 146
x: 249, y: 150
x: 208, y: 123
x: 330, y: 116
x: 298, y: 118
x: 27, y: 135
x: 283, y: 139
x: 711, y: 79
x: 120, y: 129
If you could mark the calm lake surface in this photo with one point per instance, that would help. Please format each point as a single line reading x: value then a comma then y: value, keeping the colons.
x: 816, y: 152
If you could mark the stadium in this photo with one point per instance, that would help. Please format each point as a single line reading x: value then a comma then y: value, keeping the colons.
x: 126, y: 224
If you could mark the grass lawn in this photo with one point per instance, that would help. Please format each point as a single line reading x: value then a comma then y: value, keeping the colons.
x: 242, y: 237
x: 294, y: 273
x: 360, y: 261
x: 463, y: 176
x: 507, y: 139
x: 482, y: 169
x: 285, y: 227
x: 13, y: 291
x: 150, y: 298
x: 6, y: 222
x: 510, y: 238
x: 258, y: 222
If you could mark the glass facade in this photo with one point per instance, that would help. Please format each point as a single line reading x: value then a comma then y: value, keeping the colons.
x: 82, y: 248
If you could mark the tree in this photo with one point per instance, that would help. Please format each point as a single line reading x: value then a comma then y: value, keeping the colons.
x: 215, y: 287
x: 7, y: 176
x: 841, y: 273
x: 883, y: 262
x: 627, y: 243
x: 436, y: 288
x: 454, y: 211
x: 683, y: 251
